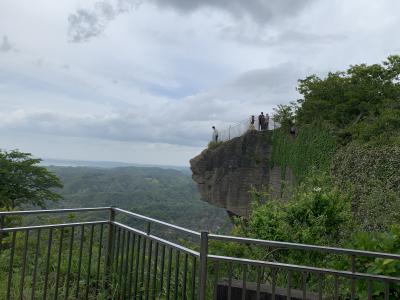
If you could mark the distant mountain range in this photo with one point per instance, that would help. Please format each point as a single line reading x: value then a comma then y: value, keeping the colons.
x: 106, y: 164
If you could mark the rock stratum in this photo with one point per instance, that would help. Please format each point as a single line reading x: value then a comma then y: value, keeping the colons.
x: 226, y: 174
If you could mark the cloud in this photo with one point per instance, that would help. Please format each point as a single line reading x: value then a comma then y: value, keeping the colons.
x: 262, y: 38
x: 186, y: 121
x: 259, y: 10
x: 88, y: 23
x: 6, y: 46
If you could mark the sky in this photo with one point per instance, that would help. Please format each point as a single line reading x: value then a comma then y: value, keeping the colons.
x: 144, y: 81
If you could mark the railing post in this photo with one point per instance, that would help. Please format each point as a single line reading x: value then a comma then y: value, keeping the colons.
x: 203, y: 264
x: 109, y: 252
x: 1, y: 232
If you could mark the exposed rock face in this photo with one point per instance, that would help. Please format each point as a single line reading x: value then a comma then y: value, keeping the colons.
x: 227, y: 173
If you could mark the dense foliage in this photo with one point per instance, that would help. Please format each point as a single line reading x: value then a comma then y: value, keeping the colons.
x: 165, y: 194
x: 312, y: 148
x: 23, y: 181
x: 362, y: 102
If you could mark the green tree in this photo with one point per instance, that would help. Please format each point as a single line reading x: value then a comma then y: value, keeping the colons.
x: 362, y: 102
x: 24, y: 181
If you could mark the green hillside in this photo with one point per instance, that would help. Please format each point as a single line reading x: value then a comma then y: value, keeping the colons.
x: 168, y: 195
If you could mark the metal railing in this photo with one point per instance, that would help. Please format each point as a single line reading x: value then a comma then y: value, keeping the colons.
x: 106, y: 258
x: 240, y: 128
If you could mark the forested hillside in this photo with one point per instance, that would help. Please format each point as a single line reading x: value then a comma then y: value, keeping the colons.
x: 168, y: 195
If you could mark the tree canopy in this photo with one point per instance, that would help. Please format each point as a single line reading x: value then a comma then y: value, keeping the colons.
x: 361, y: 103
x: 24, y: 182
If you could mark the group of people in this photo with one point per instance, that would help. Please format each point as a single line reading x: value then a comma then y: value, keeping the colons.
x: 263, y: 123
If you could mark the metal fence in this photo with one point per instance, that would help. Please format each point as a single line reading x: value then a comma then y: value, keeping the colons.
x: 107, y: 259
x: 240, y: 128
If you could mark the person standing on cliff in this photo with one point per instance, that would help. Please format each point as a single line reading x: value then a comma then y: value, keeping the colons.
x: 266, y: 121
x: 252, y: 121
x: 261, y: 121
x: 215, y: 134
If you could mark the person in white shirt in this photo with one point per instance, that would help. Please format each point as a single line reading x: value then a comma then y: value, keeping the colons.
x: 215, y: 134
x: 266, y: 121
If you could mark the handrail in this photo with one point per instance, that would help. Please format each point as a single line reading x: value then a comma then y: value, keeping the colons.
x: 157, y: 239
x: 155, y: 221
x: 12, y: 229
x: 286, y: 245
x: 292, y: 267
x: 289, y: 245
x: 51, y: 211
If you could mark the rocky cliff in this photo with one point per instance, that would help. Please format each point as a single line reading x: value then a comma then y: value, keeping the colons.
x: 226, y: 174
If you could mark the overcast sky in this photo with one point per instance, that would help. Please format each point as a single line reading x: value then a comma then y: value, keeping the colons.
x: 143, y: 81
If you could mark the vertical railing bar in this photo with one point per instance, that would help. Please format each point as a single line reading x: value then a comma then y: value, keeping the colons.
x: 387, y: 290
x: 162, y: 269
x: 193, y: 278
x: 46, y: 278
x: 304, y: 285
x: 258, y: 282
x: 244, y: 280
x: 78, y: 277
x: 59, y: 263
x: 353, y: 281
x: 21, y: 286
x: 336, y: 287
x: 142, y: 267
x: 320, y: 285
x: 99, y: 258
x: 149, y: 258
x: 127, y: 259
x: 230, y: 281
x: 137, y: 267
x: 131, y: 267
x: 109, y: 253
x: 273, y: 271
x: 35, y: 264
x: 169, y: 273
x: 89, y: 260
x: 203, y: 264
x: 71, y: 244
x: 176, y: 287
x: 369, y: 290
x: 10, y: 269
x: 289, y: 287
x: 116, y: 258
x: 216, y: 280
x: 1, y: 232
x: 155, y: 271
x: 121, y: 264
x: 185, y: 271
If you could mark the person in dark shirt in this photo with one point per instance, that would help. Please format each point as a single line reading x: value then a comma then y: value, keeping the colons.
x: 261, y: 121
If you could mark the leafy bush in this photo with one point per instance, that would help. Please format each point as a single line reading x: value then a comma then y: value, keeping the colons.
x: 372, y: 175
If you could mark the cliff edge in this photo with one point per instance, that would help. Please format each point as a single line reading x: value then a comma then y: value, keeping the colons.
x: 226, y: 174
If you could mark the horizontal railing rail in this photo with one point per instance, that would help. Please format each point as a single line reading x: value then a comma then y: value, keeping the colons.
x: 109, y: 259
x: 35, y: 227
x: 52, y: 211
x: 301, y: 268
x: 306, y: 247
x: 157, y: 239
x: 158, y: 222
